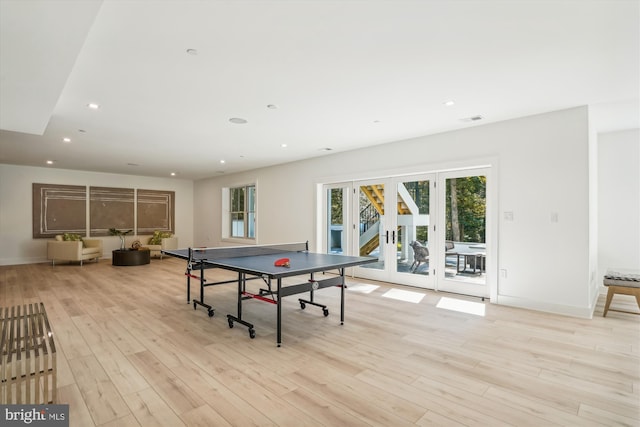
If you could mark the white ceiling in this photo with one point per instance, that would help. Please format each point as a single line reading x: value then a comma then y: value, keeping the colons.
x: 343, y: 75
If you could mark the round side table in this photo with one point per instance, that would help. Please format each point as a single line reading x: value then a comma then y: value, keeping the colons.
x: 125, y: 257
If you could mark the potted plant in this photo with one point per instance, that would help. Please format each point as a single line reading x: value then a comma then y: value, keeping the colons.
x: 121, y: 234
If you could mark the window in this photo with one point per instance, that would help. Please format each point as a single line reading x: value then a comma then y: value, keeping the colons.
x: 242, y: 203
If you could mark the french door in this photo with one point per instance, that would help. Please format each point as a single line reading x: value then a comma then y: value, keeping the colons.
x: 464, y: 232
x: 393, y: 217
x: 426, y: 230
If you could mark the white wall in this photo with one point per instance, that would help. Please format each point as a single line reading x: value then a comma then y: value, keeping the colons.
x: 619, y: 201
x: 17, y: 244
x: 542, y: 165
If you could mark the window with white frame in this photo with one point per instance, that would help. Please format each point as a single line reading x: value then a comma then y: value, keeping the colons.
x: 242, y: 212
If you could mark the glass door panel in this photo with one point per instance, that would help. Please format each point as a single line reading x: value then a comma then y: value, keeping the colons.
x: 414, y: 261
x: 337, y: 220
x: 373, y: 236
x: 464, y: 233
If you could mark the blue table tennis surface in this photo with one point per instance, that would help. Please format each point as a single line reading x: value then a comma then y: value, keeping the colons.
x: 259, y: 261
x: 301, y: 262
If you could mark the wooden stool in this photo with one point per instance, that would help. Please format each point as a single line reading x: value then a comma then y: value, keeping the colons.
x: 622, y: 282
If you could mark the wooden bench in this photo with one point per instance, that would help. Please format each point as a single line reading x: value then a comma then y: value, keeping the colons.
x: 625, y: 282
x: 27, y: 356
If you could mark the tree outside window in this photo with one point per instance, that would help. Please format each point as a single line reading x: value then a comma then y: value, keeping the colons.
x: 466, y: 209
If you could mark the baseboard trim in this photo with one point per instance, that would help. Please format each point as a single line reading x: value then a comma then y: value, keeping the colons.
x: 565, y: 310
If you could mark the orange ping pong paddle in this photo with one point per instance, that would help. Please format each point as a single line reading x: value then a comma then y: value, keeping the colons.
x: 282, y: 262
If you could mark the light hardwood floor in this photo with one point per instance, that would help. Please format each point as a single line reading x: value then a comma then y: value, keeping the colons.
x: 132, y: 352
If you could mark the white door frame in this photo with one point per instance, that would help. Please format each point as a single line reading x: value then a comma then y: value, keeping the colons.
x: 385, y: 231
x: 419, y: 280
x: 487, y: 289
x: 490, y: 171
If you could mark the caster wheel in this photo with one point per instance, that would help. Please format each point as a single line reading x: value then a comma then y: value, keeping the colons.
x: 211, y: 313
x: 325, y: 312
x: 252, y: 333
x: 303, y: 305
x: 194, y: 305
x: 230, y: 323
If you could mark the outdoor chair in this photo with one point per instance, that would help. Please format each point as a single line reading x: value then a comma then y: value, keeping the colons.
x: 420, y: 255
x: 449, y: 246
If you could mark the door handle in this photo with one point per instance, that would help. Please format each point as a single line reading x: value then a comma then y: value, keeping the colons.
x: 387, y: 233
x: 393, y: 237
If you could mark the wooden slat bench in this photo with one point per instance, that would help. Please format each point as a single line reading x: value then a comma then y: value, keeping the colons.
x: 27, y: 356
x: 626, y: 282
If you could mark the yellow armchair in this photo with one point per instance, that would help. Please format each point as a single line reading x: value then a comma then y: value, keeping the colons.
x: 62, y: 250
x: 166, y: 243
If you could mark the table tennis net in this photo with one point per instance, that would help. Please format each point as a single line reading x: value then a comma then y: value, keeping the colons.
x: 246, y: 251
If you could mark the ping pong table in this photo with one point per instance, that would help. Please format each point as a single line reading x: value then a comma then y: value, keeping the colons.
x: 258, y: 262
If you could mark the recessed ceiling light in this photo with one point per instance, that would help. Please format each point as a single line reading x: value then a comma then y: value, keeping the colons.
x: 272, y: 106
x: 93, y: 106
x: 237, y: 120
x: 82, y: 131
x: 376, y: 121
x: 222, y: 162
x: 66, y: 139
x: 326, y: 149
x: 449, y: 103
x: 132, y: 164
x: 173, y: 174
x: 50, y: 162
x: 192, y: 52
x: 283, y: 145
x: 472, y: 118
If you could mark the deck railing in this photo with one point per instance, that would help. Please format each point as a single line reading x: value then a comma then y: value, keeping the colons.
x: 368, y: 216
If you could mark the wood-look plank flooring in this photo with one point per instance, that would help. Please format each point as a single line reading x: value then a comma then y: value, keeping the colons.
x: 132, y: 352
